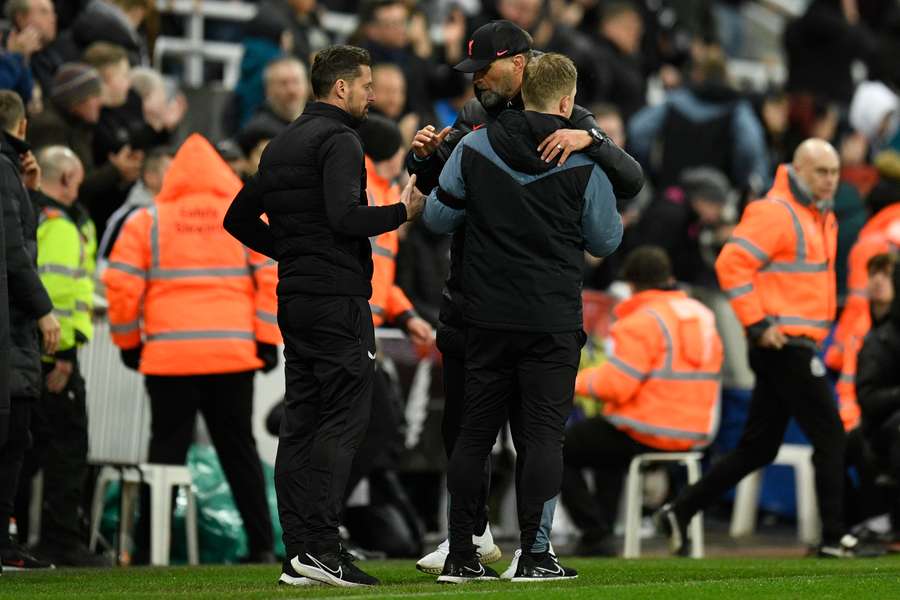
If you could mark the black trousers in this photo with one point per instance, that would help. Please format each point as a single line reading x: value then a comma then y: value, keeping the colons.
x: 329, y: 369
x: 451, y: 341
x: 12, y: 458
x: 59, y: 447
x: 226, y: 403
x: 542, y: 367
x: 596, y: 444
x: 790, y: 382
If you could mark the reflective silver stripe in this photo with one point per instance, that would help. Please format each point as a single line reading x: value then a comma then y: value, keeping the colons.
x: 267, y: 263
x: 376, y: 310
x: 627, y: 369
x: 126, y: 327
x: 750, y: 247
x: 847, y: 378
x: 798, y: 230
x: 381, y: 251
x: 803, y: 322
x: 63, y: 312
x: 592, y: 389
x: 200, y: 335
x: 62, y: 270
x: 642, y: 427
x: 82, y: 306
x: 861, y: 293
x: 267, y: 317
x: 202, y: 272
x: 795, y: 267
x: 685, y: 375
x: 154, y: 237
x: 667, y: 337
x: 126, y: 268
x: 739, y: 291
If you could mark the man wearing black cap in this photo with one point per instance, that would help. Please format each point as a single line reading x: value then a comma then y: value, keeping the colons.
x: 496, y: 55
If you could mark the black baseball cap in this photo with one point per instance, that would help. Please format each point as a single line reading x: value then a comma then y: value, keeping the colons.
x: 497, y: 39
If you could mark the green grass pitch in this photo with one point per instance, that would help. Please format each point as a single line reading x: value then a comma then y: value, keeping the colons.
x: 659, y: 579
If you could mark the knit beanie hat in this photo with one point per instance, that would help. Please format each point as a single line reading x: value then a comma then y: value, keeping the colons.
x: 381, y: 138
x: 73, y: 83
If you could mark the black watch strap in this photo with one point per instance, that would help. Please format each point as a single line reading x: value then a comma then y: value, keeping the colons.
x: 598, y: 136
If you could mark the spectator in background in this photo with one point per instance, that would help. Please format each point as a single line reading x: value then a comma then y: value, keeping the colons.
x: 287, y: 90
x: 705, y: 123
x: 875, y: 113
x: 162, y: 112
x: 153, y: 170
x: 773, y: 111
x: 609, y: 119
x: 116, y: 22
x: 385, y: 32
x: 70, y: 120
x: 14, y: 72
x: 30, y: 309
x: 37, y: 18
x: 620, y: 78
x: 265, y: 40
x: 549, y: 36
x: 171, y: 327
x: 67, y: 246
x: 821, y: 47
x: 659, y: 390
x: 390, y: 99
x: 878, y: 394
x: 301, y: 19
x: 253, y: 140
x: 234, y: 156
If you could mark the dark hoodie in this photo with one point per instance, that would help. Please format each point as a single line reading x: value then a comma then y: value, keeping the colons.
x: 878, y: 375
x: 527, y: 224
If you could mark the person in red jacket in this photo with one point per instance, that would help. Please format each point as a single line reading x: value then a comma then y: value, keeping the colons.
x: 194, y: 310
x: 659, y: 388
x: 778, y: 272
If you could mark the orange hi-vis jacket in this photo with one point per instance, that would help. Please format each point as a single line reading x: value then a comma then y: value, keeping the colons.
x: 778, y: 267
x: 846, y: 384
x: 661, y: 383
x: 881, y: 234
x: 177, y: 282
x: 389, y: 303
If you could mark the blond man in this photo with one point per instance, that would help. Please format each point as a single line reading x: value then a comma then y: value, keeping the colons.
x: 527, y: 223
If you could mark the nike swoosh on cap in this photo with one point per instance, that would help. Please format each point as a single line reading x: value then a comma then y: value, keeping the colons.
x: 502, y: 52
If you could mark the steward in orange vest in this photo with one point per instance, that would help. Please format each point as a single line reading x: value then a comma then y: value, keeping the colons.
x: 195, y: 310
x: 881, y: 234
x: 778, y: 271
x: 659, y: 389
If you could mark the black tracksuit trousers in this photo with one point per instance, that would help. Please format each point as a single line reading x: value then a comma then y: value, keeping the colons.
x: 329, y: 371
x: 542, y: 368
x: 451, y: 341
x: 12, y: 458
x: 790, y: 382
x: 226, y: 403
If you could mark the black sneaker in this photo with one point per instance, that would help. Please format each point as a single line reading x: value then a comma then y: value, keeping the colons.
x: 332, y: 568
x: 668, y: 522
x: 848, y: 546
x: 75, y: 556
x: 17, y: 558
x: 463, y: 568
x: 541, y: 567
x: 291, y: 577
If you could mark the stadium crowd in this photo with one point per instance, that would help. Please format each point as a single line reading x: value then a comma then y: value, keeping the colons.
x: 101, y: 170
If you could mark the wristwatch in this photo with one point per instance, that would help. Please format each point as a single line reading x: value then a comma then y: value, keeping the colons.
x: 598, y: 136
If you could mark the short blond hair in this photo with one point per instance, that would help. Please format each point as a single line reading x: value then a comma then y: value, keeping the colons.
x: 548, y: 77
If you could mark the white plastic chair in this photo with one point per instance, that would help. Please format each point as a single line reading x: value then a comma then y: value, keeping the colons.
x: 746, y: 498
x: 634, y: 498
x: 161, y: 479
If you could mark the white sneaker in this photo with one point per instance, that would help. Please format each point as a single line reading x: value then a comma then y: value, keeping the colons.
x: 489, y: 552
x: 510, y: 571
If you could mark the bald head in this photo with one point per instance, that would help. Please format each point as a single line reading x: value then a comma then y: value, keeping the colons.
x: 61, y: 173
x: 818, y: 166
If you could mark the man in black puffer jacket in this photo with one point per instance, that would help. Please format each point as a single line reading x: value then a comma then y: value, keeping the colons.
x: 311, y: 185
x: 30, y: 309
x: 497, y: 54
x: 528, y: 224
